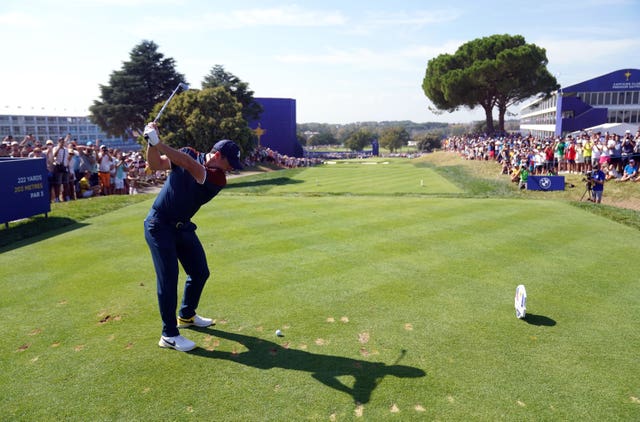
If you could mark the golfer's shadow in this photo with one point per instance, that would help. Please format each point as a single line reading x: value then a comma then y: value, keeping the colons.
x: 265, y: 354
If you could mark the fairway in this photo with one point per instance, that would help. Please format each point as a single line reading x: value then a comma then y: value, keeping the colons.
x: 374, y: 176
x: 395, y: 300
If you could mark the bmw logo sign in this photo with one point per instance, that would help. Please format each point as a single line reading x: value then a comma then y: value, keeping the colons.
x: 545, y: 183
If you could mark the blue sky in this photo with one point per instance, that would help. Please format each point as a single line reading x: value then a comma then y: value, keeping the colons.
x: 343, y: 61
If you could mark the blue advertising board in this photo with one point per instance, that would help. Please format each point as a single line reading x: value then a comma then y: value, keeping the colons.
x: 276, y: 127
x: 24, y: 188
x: 545, y: 183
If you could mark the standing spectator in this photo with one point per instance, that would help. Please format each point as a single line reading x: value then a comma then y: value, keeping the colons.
x: 60, y: 169
x: 628, y: 146
x: 558, y: 152
x: 587, y: 148
x: 120, y: 172
x: 548, y: 152
x: 579, y: 157
x: 37, y: 153
x: 604, y: 154
x: 636, y: 148
x: 132, y: 180
x: 74, y: 164
x: 596, y: 152
x: 105, y: 165
x: 615, y: 152
x: 28, y: 141
x: 88, y: 162
x: 523, y: 174
x: 15, y: 149
x: 48, y: 153
x: 570, y: 153
x: 539, y: 160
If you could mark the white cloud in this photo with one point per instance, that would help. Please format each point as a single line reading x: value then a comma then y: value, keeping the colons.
x: 19, y: 20
x: 361, y: 56
x: 416, y: 18
x: 430, y: 51
x: 563, y: 52
x: 291, y: 16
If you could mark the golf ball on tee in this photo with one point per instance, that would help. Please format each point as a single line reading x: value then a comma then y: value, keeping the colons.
x: 279, y: 333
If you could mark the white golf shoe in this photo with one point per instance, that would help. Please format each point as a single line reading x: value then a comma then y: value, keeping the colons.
x: 179, y: 343
x: 195, y: 320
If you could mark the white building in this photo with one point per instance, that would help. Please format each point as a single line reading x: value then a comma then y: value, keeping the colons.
x: 51, y: 124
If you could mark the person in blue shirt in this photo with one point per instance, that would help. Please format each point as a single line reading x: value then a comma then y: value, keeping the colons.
x: 597, y: 184
x: 630, y: 171
x: 194, y: 180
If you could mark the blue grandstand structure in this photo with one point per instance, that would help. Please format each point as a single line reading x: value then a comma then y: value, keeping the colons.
x: 609, y: 102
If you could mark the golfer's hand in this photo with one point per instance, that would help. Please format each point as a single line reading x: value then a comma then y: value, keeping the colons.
x: 151, y: 134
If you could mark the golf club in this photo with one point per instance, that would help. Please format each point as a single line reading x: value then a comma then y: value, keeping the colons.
x: 180, y: 85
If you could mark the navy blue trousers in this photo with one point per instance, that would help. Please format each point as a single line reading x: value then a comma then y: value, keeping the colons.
x: 168, y: 245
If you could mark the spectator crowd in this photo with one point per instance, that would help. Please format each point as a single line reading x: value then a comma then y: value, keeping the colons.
x: 76, y: 170
x: 262, y: 155
x: 519, y: 156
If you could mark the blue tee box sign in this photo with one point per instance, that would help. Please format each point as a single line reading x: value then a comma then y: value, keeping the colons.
x: 24, y: 190
x: 545, y: 183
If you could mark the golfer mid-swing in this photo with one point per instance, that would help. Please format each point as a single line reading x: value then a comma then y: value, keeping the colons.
x: 194, y: 180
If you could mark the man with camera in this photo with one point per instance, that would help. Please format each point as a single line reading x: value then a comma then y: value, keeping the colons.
x: 595, y: 180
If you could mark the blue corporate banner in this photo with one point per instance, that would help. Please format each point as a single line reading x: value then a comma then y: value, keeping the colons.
x: 545, y: 183
x: 276, y: 128
x: 24, y: 188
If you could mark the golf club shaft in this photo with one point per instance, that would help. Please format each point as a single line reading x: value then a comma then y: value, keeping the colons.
x: 167, y: 102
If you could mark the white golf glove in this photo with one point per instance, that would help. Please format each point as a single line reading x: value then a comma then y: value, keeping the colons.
x: 151, y: 135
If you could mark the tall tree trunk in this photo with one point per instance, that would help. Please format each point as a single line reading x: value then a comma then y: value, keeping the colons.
x: 488, y: 112
x: 502, y: 110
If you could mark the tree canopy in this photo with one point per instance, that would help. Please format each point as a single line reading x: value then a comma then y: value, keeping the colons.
x: 322, y: 138
x: 218, y: 76
x: 133, y: 91
x: 394, y: 138
x: 199, y: 118
x: 495, y: 71
x: 359, y: 139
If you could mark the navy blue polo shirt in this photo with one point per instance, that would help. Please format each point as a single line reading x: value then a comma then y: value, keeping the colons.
x: 182, y: 196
